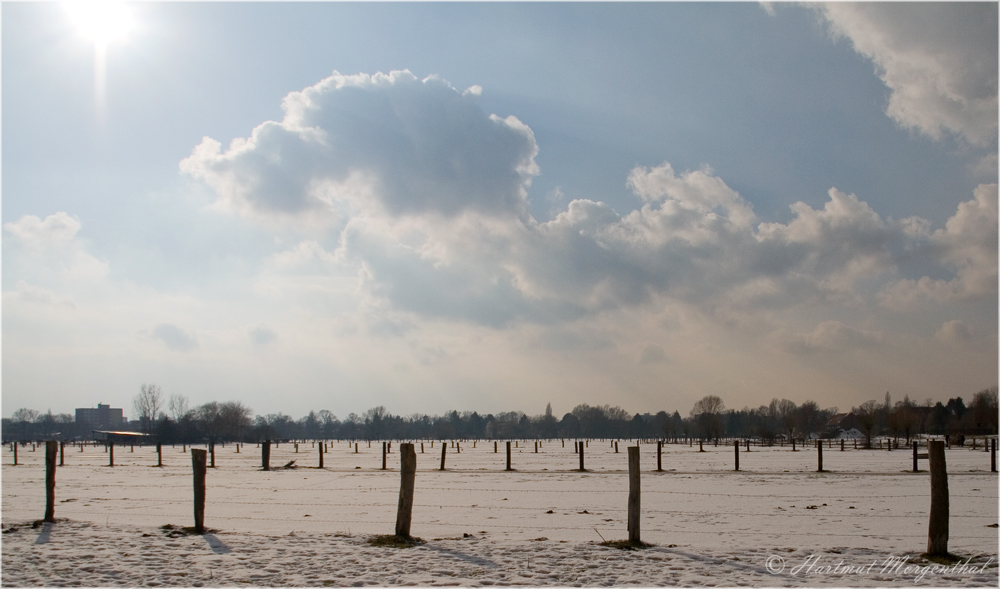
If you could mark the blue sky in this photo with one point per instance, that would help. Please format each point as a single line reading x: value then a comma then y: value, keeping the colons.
x: 494, y: 206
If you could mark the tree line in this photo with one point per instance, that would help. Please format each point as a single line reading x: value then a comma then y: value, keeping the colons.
x: 172, y: 421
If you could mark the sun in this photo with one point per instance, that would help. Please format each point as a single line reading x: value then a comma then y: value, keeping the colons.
x: 101, y: 21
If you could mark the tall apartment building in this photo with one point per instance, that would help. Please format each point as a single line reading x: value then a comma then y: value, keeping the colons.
x: 102, y: 417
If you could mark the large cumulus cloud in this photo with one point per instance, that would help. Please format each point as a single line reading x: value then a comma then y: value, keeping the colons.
x: 435, y: 223
x: 939, y: 60
x: 391, y: 141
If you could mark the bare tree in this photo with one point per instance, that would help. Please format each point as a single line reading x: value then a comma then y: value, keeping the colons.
x: 147, y: 405
x: 810, y: 418
x: 867, y: 414
x: 707, y: 413
x: 178, y: 406
x: 787, y: 414
x: 235, y: 417
x: 375, y: 421
x: 25, y: 417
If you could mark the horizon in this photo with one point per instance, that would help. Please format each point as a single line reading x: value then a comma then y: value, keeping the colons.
x: 312, y: 206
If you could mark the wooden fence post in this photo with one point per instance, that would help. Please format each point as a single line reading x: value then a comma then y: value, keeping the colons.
x: 265, y: 455
x: 993, y: 455
x: 159, y: 455
x: 421, y: 447
x: 408, y: 470
x: 383, y: 455
x: 211, y: 451
x: 937, y: 534
x: 701, y: 448
x: 50, y: 481
x: 62, y: 453
x: 444, y: 451
x: 508, y: 455
x: 659, y: 456
x: 580, y: 448
x: 915, y: 457
x: 819, y: 455
x: 736, y: 446
x: 536, y: 447
x: 198, y: 467
x: 15, y: 453
x: 111, y: 454
x: 633, y: 495
x: 841, y: 445
x: 321, y: 451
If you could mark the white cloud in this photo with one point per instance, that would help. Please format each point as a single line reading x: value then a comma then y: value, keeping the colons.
x: 827, y: 337
x: 939, y: 60
x: 40, y: 296
x: 422, y: 243
x: 261, y: 335
x: 966, y: 246
x: 386, y: 144
x: 954, y: 332
x: 49, y: 249
x: 56, y: 232
x: 653, y: 354
x: 175, y: 338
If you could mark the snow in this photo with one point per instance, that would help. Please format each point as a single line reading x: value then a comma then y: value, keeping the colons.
x: 484, y: 526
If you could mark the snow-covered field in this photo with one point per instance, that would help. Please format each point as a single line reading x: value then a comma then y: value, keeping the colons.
x: 777, y: 522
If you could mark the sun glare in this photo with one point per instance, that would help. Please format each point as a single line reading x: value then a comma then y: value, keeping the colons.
x: 100, y: 21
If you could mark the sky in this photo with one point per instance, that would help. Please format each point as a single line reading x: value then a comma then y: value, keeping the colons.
x: 492, y: 207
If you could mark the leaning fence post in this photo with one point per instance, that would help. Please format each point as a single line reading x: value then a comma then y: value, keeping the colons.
x: 408, y: 469
x: 508, y: 455
x: 198, y: 459
x: 937, y: 535
x: 444, y: 451
x: 633, y: 495
x: 265, y: 455
x: 736, y: 447
x: 50, y: 481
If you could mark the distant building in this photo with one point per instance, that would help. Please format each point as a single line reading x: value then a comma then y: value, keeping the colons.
x: 842, y: 422
x: 102, y: 417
